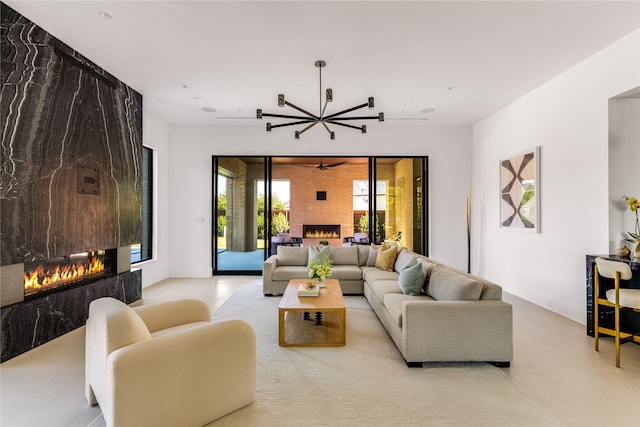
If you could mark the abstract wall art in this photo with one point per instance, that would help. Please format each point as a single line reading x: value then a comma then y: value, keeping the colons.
x: 520, y: 192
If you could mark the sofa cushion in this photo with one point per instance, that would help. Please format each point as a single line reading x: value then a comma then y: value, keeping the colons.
x: 287, y: 272
x: 344, y: 255
x: 382, y: 287
x: 411, y: 279
x: 316, y: 253
x: 393, y: 304
x: 373, y: 254
x: 371, y: 274
x: 291, y: 255
x: 386, y: 258
x: 404, y: 256
x: 346, y: 272
x: 446, y: 284
x: 363, y: 254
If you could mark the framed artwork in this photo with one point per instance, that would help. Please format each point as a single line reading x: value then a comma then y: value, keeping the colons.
x: 520, y: 192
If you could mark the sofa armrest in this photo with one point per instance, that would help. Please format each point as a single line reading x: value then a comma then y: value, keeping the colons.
x: 173, y: 313
x: 458, y: 330
x: 269, y: 265
x: 267, y: 270
x: 190, y: 377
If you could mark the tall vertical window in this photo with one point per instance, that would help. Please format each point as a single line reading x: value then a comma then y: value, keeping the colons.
x: 142, y: 251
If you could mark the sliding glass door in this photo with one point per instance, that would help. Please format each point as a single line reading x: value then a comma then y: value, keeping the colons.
x: 400, y: 200
x: 240, y: 186
x: 261, y: 203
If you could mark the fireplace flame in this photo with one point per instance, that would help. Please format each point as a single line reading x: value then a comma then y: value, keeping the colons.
x: 40, y: 278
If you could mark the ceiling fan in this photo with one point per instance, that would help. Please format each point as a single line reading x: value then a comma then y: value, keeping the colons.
x: 322, y: 166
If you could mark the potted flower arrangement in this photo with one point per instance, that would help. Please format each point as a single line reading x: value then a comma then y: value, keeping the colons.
x: 634, y: 206
x: 320, y: 268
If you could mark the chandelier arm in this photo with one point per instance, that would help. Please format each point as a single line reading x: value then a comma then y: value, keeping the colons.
x: 354, y: 118
x: 332, y: 134
x: 345, y: 125
x: 286, y: 116
x: 366, y: 104
x: 301, y: 110
x: 293, y: 123
x: 326, y: 101
x: 307, y: 128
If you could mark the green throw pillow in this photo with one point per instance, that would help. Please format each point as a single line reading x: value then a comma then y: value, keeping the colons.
x: 412, y: 277
x: 317, y: 253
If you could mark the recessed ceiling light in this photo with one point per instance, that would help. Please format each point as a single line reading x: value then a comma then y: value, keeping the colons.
x: 106, y: 15
x: 427, y: 110
x: 208, y: 109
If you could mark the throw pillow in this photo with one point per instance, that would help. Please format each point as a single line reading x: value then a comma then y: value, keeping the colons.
x: 449, y: 285
x: 317, y: 253
x: 412, y: 277
x: 386, y: 257
x: 373, y: 253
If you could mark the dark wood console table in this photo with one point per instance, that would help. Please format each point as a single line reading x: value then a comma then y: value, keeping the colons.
x: 629, y: 320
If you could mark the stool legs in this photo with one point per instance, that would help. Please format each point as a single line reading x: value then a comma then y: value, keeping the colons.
x: 596, y: 295
x: 617, y: 311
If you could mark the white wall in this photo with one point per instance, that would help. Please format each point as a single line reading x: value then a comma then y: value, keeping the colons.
x: 191, y: 149
x: 155, y: 135
x: 624, y: 172
x: 568, y: 117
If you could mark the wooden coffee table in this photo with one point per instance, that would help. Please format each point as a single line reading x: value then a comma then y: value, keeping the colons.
x: 312, y: 321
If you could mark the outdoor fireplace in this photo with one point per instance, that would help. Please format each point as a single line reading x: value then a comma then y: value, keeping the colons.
x: 321, y: 231
x: 77, y: 269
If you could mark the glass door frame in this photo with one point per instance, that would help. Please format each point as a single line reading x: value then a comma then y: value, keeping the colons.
x: 214, y: 220
x: 420, y: 199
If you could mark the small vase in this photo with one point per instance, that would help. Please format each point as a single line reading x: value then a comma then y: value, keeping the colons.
x: 635, y: 252
x: 320, y: 283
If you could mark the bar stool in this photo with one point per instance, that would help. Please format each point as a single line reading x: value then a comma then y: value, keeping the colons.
x: 618, y: 298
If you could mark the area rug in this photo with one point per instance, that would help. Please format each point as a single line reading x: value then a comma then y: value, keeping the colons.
x: 366, y: 382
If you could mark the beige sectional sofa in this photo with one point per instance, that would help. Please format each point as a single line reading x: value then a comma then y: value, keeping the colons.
x: 455, y: 317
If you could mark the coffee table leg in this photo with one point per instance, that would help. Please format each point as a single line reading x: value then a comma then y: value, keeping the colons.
x: 280, y: 327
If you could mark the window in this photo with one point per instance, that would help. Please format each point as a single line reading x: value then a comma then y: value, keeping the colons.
x: 142, y: 251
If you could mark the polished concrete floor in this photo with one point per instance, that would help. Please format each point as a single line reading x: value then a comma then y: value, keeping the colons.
x: 554, y: 362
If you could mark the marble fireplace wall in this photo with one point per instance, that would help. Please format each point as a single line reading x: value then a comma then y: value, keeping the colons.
x: 70, y: 172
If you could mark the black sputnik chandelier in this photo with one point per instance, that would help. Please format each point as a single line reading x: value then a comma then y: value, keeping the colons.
x: 310, y: 119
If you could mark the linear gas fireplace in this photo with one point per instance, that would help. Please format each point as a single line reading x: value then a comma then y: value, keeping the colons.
x: 77, y: 269
x: 44, y: 299
x: 321, y: 231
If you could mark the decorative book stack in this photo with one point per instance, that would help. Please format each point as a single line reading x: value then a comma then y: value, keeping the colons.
x: 308, y: 290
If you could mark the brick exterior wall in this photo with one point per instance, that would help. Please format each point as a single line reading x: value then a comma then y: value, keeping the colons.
x: 305, y: 209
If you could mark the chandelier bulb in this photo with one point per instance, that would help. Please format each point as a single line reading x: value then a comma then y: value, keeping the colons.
x: 281, y: 100
x: 333, y: 135
x: 329, y: 95
x: 381, y: 117
x: 297, y: 134
x: 364, y: 128
x: 370, y: 102
x: 268, y: 127
x: 259, y: 113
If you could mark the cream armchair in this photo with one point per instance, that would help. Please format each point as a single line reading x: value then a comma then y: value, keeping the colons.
x: 166, y: 364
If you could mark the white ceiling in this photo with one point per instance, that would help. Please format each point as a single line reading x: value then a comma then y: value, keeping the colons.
x: 466, y: 60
